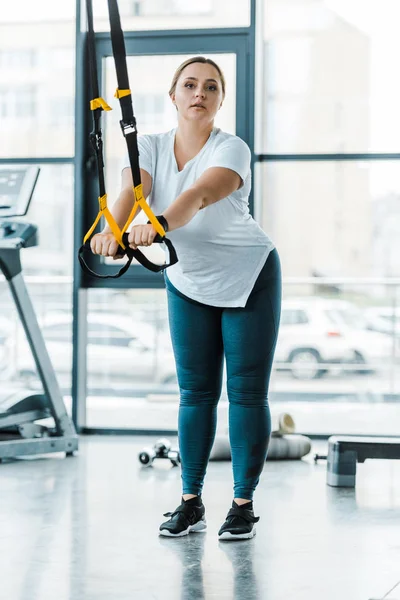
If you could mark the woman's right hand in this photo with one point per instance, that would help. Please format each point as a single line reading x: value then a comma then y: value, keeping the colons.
x: 105, y: 244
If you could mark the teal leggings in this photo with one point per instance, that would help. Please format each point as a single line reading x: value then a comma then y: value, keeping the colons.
x: 201, y: 336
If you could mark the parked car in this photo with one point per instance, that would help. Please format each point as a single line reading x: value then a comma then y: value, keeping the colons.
x: 318, y: 332
x: 385, y: 319
x: 117, y: 348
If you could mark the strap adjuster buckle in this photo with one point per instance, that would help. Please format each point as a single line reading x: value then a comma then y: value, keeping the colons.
x: 128, y: 128
x: 96, y: 140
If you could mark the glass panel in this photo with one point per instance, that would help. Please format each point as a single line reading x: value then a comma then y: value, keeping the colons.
x: 332, y: 218
x: 337, y: 361
x: 131, y: 367
x: 174, y: 14
x: 52, y: 300
x: 41, y: 11
x: 336, y: 374
x: 37, y: 79
x: 155, y: 112
x: 47, y: 269
x: 52, y: 210
x: 340, y: 371
x: 328, y: 82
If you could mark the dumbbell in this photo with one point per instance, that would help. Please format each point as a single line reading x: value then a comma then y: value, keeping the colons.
x: 161, y: 449
x: 318, y: 457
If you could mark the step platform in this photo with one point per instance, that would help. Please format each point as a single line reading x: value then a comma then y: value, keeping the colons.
x: 344, y: 452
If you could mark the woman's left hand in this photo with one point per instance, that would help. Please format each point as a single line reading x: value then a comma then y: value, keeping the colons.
x: 141, y: 235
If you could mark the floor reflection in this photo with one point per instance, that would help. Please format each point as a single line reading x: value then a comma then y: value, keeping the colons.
x: 190, y: 550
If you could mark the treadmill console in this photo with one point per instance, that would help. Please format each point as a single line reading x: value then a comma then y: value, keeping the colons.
x: 17, y: 183
x: 16, y: 235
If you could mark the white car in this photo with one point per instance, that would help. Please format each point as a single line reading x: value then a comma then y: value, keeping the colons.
x: 385, y: 319
x: 317, y: 333
x: 117, y: 348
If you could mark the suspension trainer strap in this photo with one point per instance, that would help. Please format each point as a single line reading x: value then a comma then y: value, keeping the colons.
x: 139, y: 256
x: 128, y: 121
x: 97, y: 106
x: 128, y: 126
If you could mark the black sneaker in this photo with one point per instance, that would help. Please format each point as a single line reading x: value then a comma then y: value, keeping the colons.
x: 189, y: 516
x: 239, y: 524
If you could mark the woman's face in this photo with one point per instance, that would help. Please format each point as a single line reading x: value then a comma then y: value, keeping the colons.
x: 198, y: 95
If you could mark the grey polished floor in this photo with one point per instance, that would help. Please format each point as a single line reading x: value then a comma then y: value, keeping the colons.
x: 85, y: 528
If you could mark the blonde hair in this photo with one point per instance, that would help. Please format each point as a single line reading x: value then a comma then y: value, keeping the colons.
x: 190, y: 61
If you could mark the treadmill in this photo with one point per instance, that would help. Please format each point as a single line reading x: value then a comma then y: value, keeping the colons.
x: 22, y: 431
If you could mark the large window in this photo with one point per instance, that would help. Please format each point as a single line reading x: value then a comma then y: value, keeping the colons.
x: 326, y: 83
x: 329, y: 82
x: 336, y: 363
x: 37, y: 79
x: 37, y: 95
x: 332, y: 218
x: 330, y: 200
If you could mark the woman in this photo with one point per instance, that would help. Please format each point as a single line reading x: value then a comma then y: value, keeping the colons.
x: 224, y: 294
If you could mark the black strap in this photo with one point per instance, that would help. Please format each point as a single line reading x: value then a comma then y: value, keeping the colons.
x: 143, y: 260
x: 96, y: 135
x: 128, y: 121
x: 131, y: 254
x: 128, y: 126
x: 244, y: 514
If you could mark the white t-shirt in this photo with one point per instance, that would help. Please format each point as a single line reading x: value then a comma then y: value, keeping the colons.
x: 222, y: 250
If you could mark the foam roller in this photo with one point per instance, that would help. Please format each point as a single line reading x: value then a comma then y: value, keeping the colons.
x: 293, y: 446
x: 285, y: 424
x: 290, y: 447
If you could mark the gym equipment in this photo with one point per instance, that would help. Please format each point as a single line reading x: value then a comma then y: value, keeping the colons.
x: 286, y: 425
x: 161, y: 449
x: 19, y: 410
x: 129, y: 131
x: 345, y: 452
x: 284, y: 443
x: 17, y: 184
x: 284, y: 447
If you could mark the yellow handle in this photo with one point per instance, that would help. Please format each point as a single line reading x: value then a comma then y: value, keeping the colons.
x: 117, y: 232
x: 147, y: 210
x: 104, y: 211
